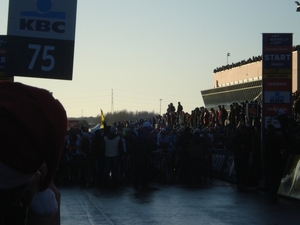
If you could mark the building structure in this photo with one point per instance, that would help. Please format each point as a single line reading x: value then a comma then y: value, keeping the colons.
x: 242, y: 81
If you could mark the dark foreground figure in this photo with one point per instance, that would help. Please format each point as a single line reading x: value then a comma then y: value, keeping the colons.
x: 32, y: 132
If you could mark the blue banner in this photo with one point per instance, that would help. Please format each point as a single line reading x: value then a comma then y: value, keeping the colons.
x: 223, y: 165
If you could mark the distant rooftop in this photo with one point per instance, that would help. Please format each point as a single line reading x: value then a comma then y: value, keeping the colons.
x: 244, y: 62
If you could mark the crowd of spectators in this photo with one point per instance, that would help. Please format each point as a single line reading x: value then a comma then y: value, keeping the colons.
x: 188, y: 140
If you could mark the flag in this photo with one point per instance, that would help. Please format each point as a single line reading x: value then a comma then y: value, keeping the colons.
x: 102, y: 119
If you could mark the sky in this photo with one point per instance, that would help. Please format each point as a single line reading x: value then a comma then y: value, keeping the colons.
x: 142, y: 55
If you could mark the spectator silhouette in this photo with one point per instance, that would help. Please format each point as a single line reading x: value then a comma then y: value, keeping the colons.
x: 33, y: 127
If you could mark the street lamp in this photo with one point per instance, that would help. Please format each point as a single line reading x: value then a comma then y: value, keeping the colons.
x: 228, y: 54
x: 160, y: 107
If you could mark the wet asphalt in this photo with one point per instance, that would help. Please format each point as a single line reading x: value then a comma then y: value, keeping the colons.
x: 214, y: 202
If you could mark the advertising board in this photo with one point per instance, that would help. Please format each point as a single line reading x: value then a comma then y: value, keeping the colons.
x: 40, y: 38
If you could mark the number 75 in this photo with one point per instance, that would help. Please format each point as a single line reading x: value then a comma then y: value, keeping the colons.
x: 45, y: 56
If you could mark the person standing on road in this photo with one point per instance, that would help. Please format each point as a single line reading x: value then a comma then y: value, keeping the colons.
x: 142, y: 146
x: 272, y: 160
x: 99, y: 156
x: 32, y: 133
x: 183, y: 144
x: 197, y: 153
x: 113, y: 148
x: 241, y: 147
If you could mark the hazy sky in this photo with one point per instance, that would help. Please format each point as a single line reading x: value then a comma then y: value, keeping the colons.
x: 129, y: 54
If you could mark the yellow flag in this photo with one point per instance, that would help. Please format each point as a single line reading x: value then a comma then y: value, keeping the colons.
x: 102, y: 119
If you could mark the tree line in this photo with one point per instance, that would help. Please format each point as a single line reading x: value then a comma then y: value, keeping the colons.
x: 117, y: 116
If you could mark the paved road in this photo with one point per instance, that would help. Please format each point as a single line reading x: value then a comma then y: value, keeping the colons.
x: 215, y: 202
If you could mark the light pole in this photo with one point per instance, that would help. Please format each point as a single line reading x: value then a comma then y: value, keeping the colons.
x: 160, y: 107
x: 228, y: 54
